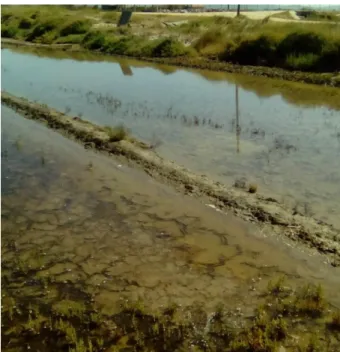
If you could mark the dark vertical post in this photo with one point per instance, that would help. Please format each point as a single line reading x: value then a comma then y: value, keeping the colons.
x: 238, y: 128
x: 238, y: 10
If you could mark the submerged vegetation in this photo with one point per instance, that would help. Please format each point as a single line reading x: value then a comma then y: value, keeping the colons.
x: 292, y: 46
x: 68, y: 320
x: 260, y: 209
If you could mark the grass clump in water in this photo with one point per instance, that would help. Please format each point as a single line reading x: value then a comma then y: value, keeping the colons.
x: 310, y: 301
x: 74, y: 325
x: 335, y: 321
x: 68, y: 308
x: 276, y: 287
x: 116, y: 134
x: 252, y: 188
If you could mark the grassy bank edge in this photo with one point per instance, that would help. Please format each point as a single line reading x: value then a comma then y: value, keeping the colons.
x: 268, y: 212
x: 325, y: 79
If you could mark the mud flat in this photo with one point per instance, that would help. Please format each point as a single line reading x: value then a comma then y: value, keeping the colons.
x: 266, y: 212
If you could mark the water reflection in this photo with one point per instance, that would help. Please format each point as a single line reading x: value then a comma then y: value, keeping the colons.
x: 238, y: 127
x: 286, y: 149
x: 126, y: 69
x: 294, y: 93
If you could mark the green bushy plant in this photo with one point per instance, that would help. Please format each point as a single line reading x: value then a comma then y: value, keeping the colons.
x: 76, y: 27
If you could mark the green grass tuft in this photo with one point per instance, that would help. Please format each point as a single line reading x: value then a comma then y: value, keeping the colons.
x: 302, y: 62
x: 116, y: 134
x: 76, y: 27
x: 170, y: 47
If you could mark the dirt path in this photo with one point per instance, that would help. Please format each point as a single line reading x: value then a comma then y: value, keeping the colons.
x: 253, y: 15
x: 296, y: 19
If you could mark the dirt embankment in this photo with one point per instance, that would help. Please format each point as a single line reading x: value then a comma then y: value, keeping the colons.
x: 325, y: 79
x: 266, y: 212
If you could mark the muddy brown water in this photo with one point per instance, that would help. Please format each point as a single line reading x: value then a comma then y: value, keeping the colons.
x: 283, y: 136
x: 113, y: 232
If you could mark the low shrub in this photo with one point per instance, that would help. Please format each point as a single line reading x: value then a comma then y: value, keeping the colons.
x: 26, y: 23
x: 261, y: 50
x: 9, y: 32
x: 94, y: 40
x: 210, y: 37
x: 300, y: 43
x: 170, y: 47
x: 119, y: 46
x: 329, y: 59
x: 47, y: 38
x: 76, y: 27
x: 6, y: 17
x: 302, y: 62
x: 42, y: 28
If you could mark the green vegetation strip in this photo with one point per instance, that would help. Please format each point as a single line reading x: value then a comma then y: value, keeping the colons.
x: 272, y: 215
x: 278, y: 49
x: 46, y: 315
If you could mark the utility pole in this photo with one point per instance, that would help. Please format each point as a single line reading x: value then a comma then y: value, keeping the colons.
x: 238, y: 10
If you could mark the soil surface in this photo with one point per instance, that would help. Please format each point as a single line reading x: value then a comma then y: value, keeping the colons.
x: 268, y: 213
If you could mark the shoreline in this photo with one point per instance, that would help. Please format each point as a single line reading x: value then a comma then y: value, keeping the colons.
x: 325, y: 79
x: 268, y: 213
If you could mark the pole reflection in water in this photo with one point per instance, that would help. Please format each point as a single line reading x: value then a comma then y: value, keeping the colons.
x: 126, y: 69
x: 238, y: 127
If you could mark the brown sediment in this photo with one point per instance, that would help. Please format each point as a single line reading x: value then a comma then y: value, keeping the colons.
x: 325, y: 79
x: 272, y: 216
